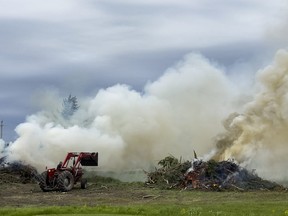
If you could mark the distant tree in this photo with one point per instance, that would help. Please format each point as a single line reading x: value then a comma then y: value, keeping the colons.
x: 70, y: 106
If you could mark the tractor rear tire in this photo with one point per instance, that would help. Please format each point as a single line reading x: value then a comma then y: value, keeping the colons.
x: 83, y: 183
x: 65, y: 181
x: 42, y: 183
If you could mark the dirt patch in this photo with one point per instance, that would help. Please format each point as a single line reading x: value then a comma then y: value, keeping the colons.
x: 17, y: 194
x: 19, y: 187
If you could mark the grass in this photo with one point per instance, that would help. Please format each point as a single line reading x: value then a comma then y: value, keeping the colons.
x: 201, y: 204
x: 83, y: 214
x: 226, y: 210
x: 128, y: 199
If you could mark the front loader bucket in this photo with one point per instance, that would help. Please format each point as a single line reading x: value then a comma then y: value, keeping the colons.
x: 90, y: 160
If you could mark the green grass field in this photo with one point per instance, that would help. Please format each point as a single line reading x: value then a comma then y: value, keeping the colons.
x: 107, y: 197
x: 215, y: 204
x: 212, y: 210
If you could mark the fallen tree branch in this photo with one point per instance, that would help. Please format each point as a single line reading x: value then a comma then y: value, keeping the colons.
x: 151, y: 196
x: 241, y: 189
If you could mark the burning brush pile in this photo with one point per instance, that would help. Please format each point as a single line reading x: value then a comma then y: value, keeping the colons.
x: 16, y: 172
x: 207, y: 175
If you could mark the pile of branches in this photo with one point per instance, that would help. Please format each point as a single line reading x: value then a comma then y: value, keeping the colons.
x: 17, y: 172
x: 207, y: 175
x: 170, y: 174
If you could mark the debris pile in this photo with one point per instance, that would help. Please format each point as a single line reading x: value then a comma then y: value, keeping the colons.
x: 17, y: 172
x: 207, y: 175
x: 170, y: 174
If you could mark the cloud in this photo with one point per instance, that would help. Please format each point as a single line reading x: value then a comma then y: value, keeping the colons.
x: 106, y: 28
x: 44, y: 35
x: 84, y: 46
x: 276, y: 34
x: 44, y: 10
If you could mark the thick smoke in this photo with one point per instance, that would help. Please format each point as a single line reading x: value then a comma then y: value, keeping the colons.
x: 179, y: 112
x: 2, y: 148
x: 258, y: 137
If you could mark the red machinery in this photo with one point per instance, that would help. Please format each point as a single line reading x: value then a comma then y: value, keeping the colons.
x: 69, y: 172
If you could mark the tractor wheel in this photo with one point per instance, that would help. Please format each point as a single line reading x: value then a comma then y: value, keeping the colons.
x: 65, y: 181
x: 42, y: 183
x: 83, y: 183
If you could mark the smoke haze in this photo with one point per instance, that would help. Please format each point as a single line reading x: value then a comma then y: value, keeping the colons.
x: 181, y: 111
x: 258, y: 137
x: 2, y: 145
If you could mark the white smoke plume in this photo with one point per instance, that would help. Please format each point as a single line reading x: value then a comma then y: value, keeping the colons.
x: 259, y: 137
x: 2, y: 148
x: 179, y: 112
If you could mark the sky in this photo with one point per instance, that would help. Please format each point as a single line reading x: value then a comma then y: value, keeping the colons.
x: 79, y: 47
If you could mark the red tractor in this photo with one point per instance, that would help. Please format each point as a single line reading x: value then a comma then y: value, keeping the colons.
x: 68, y: 173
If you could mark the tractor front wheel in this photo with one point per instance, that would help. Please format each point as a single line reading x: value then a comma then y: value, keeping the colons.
x: 42, y: 182
x: 83, y: 183
x: 65, y: 181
